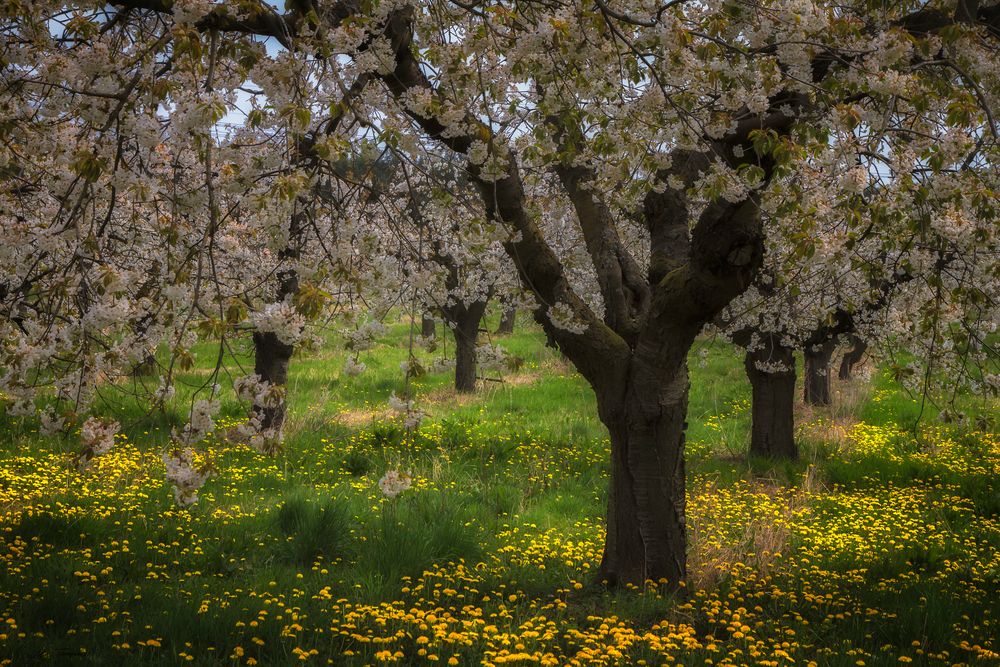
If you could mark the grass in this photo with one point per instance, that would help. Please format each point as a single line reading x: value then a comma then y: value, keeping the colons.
x: 878, y: 547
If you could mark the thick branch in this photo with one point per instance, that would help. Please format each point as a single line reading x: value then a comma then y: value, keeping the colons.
x: 262, y: 21
x: 666, y: 214
x: 626, y: 293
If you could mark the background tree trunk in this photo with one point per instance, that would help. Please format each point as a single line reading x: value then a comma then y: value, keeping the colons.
x: 271, y: 358
x: 466, y: 321
x: 427, y: 326
x: 646, y: 537
x: 852, y: 357
x: 465, y: 364
x: 507, y: 320
x: 772, y: 432
x: 817, y: 372
x: 149, y: 365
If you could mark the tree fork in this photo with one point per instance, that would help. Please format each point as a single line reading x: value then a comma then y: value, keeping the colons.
x: 852, y: 358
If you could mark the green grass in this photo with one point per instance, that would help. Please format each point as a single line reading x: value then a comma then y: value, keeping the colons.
x: 874, y: 540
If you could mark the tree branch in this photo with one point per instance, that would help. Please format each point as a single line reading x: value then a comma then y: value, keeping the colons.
x: 626, y: 293
x: 595, y: 351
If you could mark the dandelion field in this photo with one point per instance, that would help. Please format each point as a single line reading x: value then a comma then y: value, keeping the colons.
x: 881, y: 546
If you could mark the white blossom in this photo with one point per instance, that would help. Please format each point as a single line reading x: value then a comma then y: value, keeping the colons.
x: 201, y: 421
x: 51, y: 422
x: 353, y: 367
x: 182, y: 474
x: 259, y: 392
x: 394, y: 483
x: 562, y: 317
x: 281, y: 319
x: 406, y: 410
x: 98, y: 436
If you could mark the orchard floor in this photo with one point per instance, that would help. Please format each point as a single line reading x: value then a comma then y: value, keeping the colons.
x: 878, y: 547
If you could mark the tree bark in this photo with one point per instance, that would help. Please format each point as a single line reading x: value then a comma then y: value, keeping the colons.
x: 772, y: 433
x: 817, y: 372
x: 507, y: 320
x: 427, y: 326
x: 271, y: 358
x: 646, y: 537
x: 465, y: 364
x: 852, y: 358
x: 465, y: 321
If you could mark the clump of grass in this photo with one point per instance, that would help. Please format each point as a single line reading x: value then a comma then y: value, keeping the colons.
x: 454, y: 434
x: 503, y: 500
x: 386, y: 434
x: 412, y: 533
x: 759, y: 542
x: 314, y: 528
x: 51, y: 529
x: 356, y: 463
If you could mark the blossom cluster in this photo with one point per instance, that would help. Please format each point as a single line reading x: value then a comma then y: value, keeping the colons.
x: 407, y: 410
x: 184, y: 475
x: 394, y: 482
x: 282, y: 320
x: 97, y: 436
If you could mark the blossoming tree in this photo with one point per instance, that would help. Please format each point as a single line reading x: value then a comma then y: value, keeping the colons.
x: 850, y: 282
x: 663, y: 127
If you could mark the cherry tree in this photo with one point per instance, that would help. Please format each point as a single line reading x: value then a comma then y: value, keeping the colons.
x: 455, y: 251
x: 157, y: 225
x: 665, y: 129
x: 646, y: 115
x: 851, y: 281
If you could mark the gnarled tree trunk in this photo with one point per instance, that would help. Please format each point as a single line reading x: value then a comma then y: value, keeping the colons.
x: 852, y: 357
x: 506, y: 326
x: 646, y: 537
x: 771, y: 371
x: 817, y: 372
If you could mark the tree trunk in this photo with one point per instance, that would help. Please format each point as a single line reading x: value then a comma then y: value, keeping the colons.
x: 646, y: 537
x: 271, y: 358
x: 852, y: 357
x: 772, y: 433
x: 465, y: 364
x: 427, y: 326
x: 817, y: 372
x: 507, y: 319
x: 465, y: 321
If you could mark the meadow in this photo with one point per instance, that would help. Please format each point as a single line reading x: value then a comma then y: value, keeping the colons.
x: 880, y: 546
